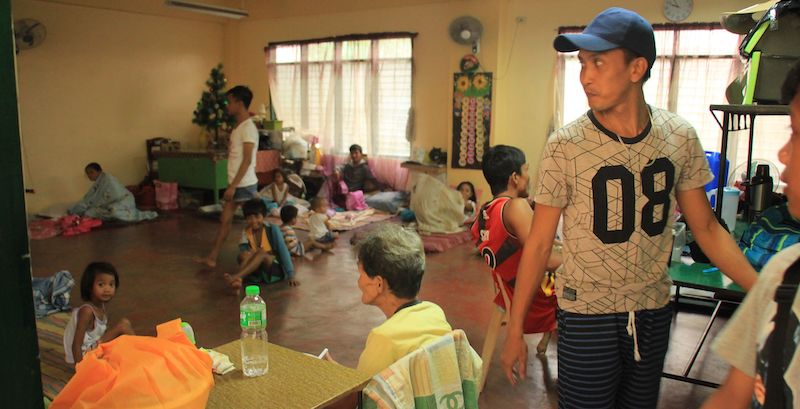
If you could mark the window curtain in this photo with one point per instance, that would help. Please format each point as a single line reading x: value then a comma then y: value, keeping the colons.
x: 346, y: 90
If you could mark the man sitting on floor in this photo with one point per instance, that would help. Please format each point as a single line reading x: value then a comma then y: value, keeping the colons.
x: 357, y: 178
x: 355, y: 173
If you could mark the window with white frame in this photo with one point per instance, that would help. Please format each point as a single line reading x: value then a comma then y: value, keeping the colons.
x: 694, y: 65
x: 346, y: 90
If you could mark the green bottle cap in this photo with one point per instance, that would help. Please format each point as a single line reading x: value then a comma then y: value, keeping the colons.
x: 252, y: 290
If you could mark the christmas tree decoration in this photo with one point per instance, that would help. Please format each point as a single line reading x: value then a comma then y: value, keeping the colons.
x: 210, y: 113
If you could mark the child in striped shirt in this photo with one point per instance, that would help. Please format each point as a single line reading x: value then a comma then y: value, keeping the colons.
x: 289, y: 217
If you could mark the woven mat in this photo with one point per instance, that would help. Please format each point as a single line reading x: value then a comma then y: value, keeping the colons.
x: 343, y: 221
x: 56, y: 372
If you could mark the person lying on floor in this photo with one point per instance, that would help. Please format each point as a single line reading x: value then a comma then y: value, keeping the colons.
x: 264, y: 257
x: 108, y: 199
x: 391, y: 263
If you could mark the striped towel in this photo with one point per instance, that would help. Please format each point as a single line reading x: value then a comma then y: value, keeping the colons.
x: 443, y: 374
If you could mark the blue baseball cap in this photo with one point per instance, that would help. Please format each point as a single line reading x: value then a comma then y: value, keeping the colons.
x: 613, y: 28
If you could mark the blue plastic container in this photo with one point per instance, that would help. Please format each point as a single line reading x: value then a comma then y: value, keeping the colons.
x: 713, y: 163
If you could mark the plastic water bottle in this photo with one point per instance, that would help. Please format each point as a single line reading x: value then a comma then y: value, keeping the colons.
x: 253, y: 320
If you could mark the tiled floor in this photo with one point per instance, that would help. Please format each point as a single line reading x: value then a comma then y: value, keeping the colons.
x: 160, y: 282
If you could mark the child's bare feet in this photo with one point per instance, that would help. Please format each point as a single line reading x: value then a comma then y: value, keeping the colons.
x: 541, y: 348
x: 235, y: 283
x: 293, y: 282
x: 206, y: 261
x: 308, y: 256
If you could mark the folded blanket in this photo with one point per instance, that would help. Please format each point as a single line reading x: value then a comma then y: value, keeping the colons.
x: 444, y: 374
x: 51, y: 294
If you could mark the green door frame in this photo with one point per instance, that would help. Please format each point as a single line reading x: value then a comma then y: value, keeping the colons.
x: 21, y: 385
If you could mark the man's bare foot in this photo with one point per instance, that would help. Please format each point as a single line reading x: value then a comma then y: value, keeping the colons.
x: 235, y: 283
x: 541, y: 348
x: 206, y: 261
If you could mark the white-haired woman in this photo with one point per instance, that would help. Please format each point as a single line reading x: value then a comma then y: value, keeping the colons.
x: 391, y: 262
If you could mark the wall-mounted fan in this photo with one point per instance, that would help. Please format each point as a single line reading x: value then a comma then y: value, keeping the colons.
x: 28, y: 33
x: 467, y: 30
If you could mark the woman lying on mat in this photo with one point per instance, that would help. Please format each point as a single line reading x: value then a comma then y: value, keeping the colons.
x: 107, y: 199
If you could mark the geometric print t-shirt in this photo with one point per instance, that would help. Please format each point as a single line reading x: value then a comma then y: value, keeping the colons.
x: 618, y: 198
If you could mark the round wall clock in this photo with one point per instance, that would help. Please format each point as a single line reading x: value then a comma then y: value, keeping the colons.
x: 677, y: 10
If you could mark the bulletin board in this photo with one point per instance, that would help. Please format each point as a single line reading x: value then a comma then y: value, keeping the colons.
x: 472, y: 118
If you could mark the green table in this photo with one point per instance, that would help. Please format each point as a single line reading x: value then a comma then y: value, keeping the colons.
x: 702, y: 276
x: 201, y: 170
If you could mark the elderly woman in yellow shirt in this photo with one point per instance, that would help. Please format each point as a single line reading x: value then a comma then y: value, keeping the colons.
x: 391, y: 262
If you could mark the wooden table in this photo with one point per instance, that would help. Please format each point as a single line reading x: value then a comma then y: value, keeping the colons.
x: 294, y: 381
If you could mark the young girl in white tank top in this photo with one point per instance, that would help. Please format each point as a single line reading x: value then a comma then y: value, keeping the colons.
x: 88, y: 326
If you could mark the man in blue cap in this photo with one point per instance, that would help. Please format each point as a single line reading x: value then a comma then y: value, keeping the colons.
x: 617, y: 174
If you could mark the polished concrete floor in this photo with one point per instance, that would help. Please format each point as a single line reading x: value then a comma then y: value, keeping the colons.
x: 159, y: 282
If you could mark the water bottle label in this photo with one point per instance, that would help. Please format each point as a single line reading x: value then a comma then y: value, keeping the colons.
x: 253, y: 319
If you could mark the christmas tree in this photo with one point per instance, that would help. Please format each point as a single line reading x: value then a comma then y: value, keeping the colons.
x: 210, y: 112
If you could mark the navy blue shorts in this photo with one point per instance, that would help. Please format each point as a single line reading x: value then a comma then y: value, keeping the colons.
x: 596, y: 362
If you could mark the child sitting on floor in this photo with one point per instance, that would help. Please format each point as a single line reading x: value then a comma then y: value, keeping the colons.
x: 259, y: 245
x: 321, y: 234
x: 289, y: 218
x: 277, y: 192
x: 87, y: 327
x: 467, y: 190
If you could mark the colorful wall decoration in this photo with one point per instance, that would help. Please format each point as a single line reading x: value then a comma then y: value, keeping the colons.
x: 472, y: 118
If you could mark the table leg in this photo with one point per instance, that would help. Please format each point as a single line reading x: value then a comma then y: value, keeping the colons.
x: 702, y: 340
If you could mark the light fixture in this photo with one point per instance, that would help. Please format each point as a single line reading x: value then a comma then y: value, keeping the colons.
x: 207, y: 9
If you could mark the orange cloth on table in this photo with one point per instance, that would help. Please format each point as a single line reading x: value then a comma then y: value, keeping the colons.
x: 141, y: 372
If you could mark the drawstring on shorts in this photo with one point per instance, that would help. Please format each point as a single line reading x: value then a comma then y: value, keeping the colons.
x: 632, y: 332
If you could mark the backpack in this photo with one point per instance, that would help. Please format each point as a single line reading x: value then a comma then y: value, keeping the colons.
x: 774, y: 231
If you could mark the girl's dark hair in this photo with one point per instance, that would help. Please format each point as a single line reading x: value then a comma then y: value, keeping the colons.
x: 471, y: 186
x: 93, y: 165
x: 91, y: 271
x: 281, y: 172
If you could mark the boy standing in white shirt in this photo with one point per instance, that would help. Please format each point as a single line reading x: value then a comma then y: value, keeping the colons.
x: 242, y: 180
